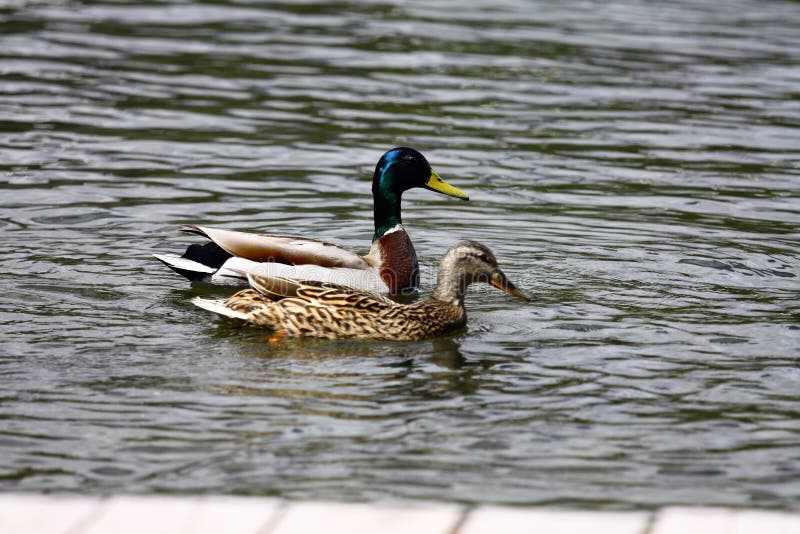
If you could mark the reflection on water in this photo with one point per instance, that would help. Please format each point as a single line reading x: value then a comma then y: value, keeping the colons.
x: 633, y: 165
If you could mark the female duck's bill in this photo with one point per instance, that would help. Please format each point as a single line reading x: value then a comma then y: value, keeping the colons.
x: 389, y: 267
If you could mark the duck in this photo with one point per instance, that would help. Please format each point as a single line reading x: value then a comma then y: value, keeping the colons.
x: 390, y: 266
x: 309, y: 308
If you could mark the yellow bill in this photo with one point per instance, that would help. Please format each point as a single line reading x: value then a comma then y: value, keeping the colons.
x: 435, y: 183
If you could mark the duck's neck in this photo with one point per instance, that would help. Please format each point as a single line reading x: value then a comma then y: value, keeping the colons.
x: 451, y: 284
x: 386, y: 210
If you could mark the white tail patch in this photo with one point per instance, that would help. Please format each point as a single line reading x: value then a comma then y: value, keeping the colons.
x: 183, y: 263
x: 218, y: 307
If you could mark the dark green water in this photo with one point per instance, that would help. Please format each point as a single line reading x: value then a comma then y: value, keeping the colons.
x: 635, y: 165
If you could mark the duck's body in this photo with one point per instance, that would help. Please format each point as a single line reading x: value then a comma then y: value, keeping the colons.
x: 316, y: 309
x: 389, y: 267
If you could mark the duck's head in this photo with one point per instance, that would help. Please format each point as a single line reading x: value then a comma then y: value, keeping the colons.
x: 403, y: 168
x: 468, y: 262
x: 399, y: 170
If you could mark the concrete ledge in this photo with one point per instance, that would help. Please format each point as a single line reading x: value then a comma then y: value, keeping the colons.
x: 40, y: 514
x: 495, y: 520
x: 688, y: 520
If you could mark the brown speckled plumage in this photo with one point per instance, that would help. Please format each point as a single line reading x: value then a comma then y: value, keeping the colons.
x: 315, y: 309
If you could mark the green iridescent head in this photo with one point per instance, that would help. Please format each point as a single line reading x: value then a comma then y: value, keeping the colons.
x: 399, y: 170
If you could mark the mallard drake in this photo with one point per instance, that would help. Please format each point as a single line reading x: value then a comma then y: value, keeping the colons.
x: 389, y: 267
x: 318, y: 309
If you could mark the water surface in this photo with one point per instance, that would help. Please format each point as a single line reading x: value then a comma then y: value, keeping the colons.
x: 634, y: 165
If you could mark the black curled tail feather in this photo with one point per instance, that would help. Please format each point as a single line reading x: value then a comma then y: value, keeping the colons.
x: 209, y: 254
x: 202, y: 261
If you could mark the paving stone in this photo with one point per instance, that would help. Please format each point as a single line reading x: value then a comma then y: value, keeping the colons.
x: 39, y: 514
x: 182, y: 515
x: 344, y: 518
x: 494, y: 519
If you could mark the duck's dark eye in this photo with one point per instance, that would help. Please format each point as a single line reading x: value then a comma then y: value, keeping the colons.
x: 481, y: 257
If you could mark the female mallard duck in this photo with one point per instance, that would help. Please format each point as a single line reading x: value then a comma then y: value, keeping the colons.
x: 316, y: 309
x: 389, y: 267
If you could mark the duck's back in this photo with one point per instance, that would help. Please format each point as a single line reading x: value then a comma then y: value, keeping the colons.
x: 377, y: 320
